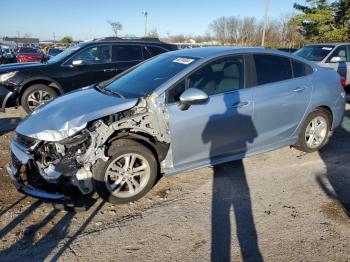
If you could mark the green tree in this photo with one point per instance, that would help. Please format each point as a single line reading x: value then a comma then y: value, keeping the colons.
x: 324, y: 21
x: 67, y: 40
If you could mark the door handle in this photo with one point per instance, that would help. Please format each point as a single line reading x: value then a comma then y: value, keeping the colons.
x: 240, y: 104
x: 110, y: 70
x: 299, y: 89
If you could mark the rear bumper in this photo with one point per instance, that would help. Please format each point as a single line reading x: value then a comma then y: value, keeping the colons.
x: 5, y: 95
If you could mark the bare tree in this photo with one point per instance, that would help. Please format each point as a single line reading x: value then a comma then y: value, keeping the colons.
x: 248, y: 31
x: 153, y: 33
x: 116, y: 26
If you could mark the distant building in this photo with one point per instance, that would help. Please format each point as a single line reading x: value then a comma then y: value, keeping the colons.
x: 19, y: 40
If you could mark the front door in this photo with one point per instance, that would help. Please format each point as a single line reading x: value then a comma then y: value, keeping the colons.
x: 97, y: 65
x: 220, y: 129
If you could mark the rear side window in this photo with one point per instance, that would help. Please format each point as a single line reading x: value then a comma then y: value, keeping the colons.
x: 124, y: 53
x: 154, y: 50
x: 271, y: 68
x: 300, y: 69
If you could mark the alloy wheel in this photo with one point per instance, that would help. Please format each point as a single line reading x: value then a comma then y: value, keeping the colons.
x: 316, y: 132
x: 127, y: 175
x: 38, y: 98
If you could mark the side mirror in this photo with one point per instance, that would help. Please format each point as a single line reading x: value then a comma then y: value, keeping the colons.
x: 337, y: 59
x: 77, y: 63
x: 192, y: 96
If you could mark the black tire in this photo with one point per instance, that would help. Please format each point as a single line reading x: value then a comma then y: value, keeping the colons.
x: 51, y: 93
x: 119, y: 148
x: 301, y: 143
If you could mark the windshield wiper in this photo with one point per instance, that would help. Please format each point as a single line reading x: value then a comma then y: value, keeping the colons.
x: 104, y: 89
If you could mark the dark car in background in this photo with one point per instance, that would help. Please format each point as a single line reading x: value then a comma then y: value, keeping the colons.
x: 7, y: 55
x: 32, y: 84
x: 29, y: 54
x: 288, y: 50
x: 51, y: 52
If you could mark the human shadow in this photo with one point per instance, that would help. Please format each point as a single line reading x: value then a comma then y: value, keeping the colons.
x: 8, y: 124
x: 230, y: 188
x: 28, y: 248
x: 335, y: 155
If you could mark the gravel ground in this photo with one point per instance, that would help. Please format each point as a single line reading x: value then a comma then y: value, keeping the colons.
x: 279, y: 206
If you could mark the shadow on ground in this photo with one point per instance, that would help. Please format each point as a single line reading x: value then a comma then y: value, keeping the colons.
x: 336, y: 158
x: 39, y: 240
x: 8, y: 124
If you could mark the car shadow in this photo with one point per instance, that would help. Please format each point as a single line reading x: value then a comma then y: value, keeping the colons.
x: 230, y: 187
x: 9, y: 124
x: 29, y: 248
x: 335, y: 182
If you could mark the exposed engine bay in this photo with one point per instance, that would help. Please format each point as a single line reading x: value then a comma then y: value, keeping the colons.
x: 67, y: 165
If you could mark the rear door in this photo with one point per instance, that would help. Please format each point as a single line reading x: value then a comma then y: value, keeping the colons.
x: 280, y: 97
x: 126, y: 56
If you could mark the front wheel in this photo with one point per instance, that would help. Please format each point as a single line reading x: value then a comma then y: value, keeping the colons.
x: 315, y: 132
x: 128, y: 175
x: 35, y: 96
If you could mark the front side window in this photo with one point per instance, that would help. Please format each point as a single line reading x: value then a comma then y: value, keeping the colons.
x: 272, y: 68
x: 95, y: 55
x: 125, y: 53
x: 220, y: 76
x: 341, y: 52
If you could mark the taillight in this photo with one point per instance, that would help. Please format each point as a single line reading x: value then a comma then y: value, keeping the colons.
x: 342, y: 81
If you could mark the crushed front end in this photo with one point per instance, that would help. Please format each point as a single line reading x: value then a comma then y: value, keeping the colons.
x: 52, y: 170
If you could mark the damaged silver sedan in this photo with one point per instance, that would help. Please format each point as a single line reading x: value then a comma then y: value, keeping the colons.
x: 176, y: 112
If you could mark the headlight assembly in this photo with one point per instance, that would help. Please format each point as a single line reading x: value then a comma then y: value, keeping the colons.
x: 4, y: 77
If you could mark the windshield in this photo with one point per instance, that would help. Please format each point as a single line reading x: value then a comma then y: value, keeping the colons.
x: 28, y: 50
x: 65, y: 54
x: 145, y: 78
x: 315, y: 52
x: 54, y: 51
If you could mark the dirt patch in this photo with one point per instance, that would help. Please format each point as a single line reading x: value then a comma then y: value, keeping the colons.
x: 334, y: 211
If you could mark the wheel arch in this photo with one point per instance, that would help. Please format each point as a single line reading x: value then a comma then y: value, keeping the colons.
x: 159, y: 149
x: 329, y: 112
x: 40, y: 80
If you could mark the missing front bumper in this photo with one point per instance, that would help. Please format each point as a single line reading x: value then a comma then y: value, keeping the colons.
x: 19, y: 159
x: 30, y: 190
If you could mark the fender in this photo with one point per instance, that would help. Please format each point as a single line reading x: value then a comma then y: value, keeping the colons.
x: 160, y: 148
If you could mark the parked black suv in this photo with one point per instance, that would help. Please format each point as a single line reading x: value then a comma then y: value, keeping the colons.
x: 31, y: 84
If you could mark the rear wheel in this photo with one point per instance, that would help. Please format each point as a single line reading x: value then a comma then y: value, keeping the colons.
x: 36, y: 95
x: 129, y: 174
x: 315, y: 132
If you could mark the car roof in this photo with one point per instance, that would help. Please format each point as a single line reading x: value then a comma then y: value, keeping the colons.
x: 334, y: 44
x: 206, y: 52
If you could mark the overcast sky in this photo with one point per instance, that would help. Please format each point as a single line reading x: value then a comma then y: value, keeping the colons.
x: 84, y: 19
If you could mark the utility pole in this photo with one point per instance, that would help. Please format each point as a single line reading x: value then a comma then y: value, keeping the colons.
x: 265, y: 22
x: 145, y: 13
x: 54, y: 37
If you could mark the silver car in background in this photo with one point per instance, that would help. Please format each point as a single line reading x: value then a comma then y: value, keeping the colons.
x: 179, y: 111
x: 330, y: 55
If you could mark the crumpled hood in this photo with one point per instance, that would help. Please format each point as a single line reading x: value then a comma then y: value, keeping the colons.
x: 69, y: 114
